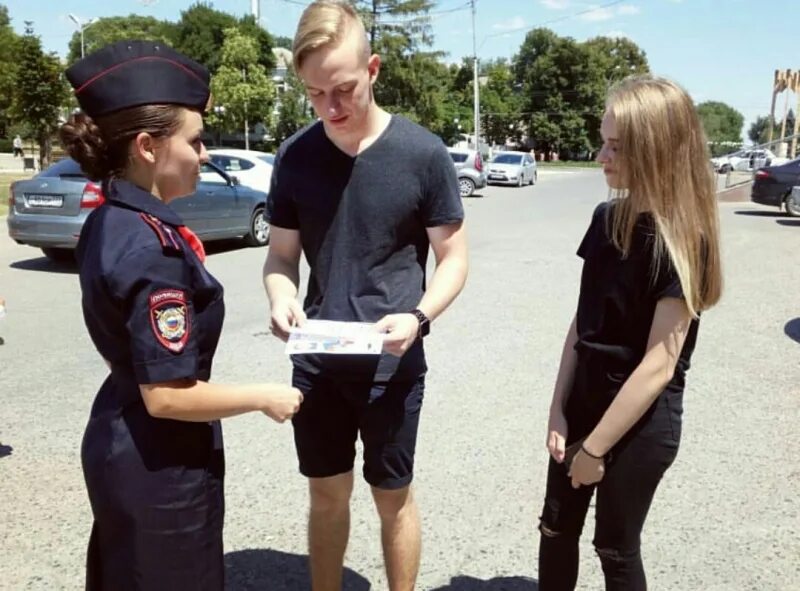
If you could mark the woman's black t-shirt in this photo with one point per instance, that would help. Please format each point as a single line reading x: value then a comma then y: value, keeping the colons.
x: 616, y: 305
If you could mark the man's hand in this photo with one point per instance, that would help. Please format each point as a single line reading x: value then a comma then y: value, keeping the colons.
x: 401, y: 331
x: 286, y: 313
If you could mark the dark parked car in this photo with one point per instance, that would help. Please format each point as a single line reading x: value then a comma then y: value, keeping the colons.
x: 773, y: 186
x: 48, y: 211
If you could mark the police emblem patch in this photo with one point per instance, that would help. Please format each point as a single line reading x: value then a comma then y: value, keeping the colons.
x: 169, y: 319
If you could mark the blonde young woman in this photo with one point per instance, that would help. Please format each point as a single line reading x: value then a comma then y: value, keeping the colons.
x: 651, y: 266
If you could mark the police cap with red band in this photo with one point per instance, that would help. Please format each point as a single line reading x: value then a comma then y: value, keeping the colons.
x: 134, y: 73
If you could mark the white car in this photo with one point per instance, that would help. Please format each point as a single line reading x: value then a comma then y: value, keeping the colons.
x: 512, y: 168
x: 251, y: 168
x: 745, y: 160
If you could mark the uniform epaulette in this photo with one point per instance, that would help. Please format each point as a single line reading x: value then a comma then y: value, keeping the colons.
x: 166, y: 235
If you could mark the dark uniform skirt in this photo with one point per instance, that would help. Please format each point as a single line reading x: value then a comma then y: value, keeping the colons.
x: 156, y: 491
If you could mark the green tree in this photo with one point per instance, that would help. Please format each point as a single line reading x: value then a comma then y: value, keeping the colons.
x: 265, y: 42
x: 759, y: 130
x: 118, y: 28
x: 553, y: 71
x: 564, y: 86
x: 617, y: 58
x: 413, y: 82
x: 285, y: 42
x: 293, y: 108
x: 241, y: 84
x: 40, y: 93
x: 722, y: 123
x: 9, y: 57
x: 499, y: 105
x: 459, y: 103
x: 200, y: 34
x: 612, y: 60
x: 414, y: 86
x: 407, y: 19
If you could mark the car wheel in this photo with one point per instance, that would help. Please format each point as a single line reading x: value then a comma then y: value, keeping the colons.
x: 59, y: 255
x: 466, y: 186
x: 259, y: 229
x: 725, y: 169
x: 520, y: 179
x: 535, y: 177
x: 792, y: 206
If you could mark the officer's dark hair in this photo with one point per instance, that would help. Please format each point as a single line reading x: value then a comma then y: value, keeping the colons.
x: 101, y: 146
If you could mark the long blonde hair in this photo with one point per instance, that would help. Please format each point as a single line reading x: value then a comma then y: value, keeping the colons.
x: 663, y: 161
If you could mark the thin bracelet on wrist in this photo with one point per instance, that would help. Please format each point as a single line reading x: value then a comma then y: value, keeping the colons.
x: 591, y: 455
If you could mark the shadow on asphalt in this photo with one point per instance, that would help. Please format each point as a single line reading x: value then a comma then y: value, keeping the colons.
x: 464, y: 583
x: 792, y: 330
x: 760, y: 214
x: 254, y: 570
x: 45, y: 265
x: 788, y: 222
x: 5, y: 450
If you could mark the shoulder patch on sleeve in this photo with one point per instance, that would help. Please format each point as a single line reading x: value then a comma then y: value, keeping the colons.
x: 165, y: 234
x: 169, y: 318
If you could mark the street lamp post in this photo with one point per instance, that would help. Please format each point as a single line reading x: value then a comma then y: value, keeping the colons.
x: 81, y: 26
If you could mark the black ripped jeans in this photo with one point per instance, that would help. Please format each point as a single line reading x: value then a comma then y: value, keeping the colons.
x: 624, y: 495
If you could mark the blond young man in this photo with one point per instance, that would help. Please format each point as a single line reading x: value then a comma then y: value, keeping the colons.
x: 364, y: 195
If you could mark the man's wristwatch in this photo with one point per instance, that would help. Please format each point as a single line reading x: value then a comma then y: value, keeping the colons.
x: 424, y: 323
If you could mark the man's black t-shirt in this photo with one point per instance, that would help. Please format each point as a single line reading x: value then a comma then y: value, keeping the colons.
x: 362, y: 223
x: 617, y: 302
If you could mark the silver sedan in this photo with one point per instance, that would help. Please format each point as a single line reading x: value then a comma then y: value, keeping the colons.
x: 48, y: 211
x: 512, y: 168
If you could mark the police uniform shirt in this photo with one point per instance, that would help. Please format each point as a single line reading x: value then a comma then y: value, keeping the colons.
x: 147, y: 296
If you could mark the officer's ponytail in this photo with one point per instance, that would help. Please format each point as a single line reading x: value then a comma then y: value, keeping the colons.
x: 83, y: 141
x: 102, y: 147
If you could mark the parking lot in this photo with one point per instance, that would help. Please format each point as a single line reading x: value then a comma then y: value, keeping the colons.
x: 725, y: 518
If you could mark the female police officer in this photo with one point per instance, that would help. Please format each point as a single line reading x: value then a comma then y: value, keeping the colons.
x: 152, y: 451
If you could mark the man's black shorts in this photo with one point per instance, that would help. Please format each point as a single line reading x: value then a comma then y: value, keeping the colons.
x: 335, y: 412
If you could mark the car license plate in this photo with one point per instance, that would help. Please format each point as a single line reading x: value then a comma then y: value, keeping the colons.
x: 496, y: 176
x: 44, y: 200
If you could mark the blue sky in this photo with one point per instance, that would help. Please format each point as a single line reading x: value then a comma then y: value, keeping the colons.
x: 723, y: 50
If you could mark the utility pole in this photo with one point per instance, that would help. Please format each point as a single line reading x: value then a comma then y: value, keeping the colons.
x: 255, y: 8
x: 476, y: 92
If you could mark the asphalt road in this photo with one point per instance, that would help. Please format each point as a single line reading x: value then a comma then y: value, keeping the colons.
x: 725, y: 518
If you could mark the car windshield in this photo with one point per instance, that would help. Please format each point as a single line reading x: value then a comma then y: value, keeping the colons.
x: 63, y: 168
x: 507, y: 159
x: 458, y: 157
x: 268, y: 158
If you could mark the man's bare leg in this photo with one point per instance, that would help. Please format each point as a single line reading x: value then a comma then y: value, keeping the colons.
x: 400, y: 535
x: 328, y: 529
